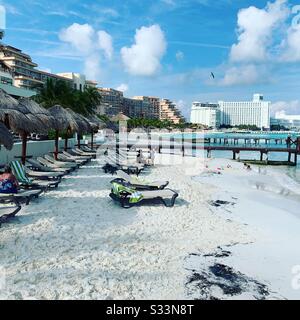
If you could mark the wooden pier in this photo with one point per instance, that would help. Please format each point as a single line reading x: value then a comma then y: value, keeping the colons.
x: 264, y: 148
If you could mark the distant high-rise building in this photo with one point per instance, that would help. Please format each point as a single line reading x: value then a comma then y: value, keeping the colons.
x: 169, y: 111
x: 111, y: 102
x: 207, y: 114
x: 254, y: 113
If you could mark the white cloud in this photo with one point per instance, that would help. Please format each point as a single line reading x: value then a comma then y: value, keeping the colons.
x: 123, y: 87
x: 143, y: 58
x: 256, y: 27
x: 242, y: 75
x: 80, y: 36
x: 106, y: 43
x: 90, y: 45
x: 290, y: 107
x: 292, y: 45
x: 179, y: 55
x: 110, y: 11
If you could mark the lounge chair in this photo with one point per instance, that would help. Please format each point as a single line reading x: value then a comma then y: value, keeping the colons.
x: 51, y: 176
x: 114, y: 163
x: 82, y: 153
x: 64, y: 157
x: 128, y: 197
x: 47, y: 175
x: 37, y: 165
x: 87, y: 149
x: 23, y: 196
x: 47, y: 163
x: 9, y: 199
x: 139, y: 184
x: 20, y: 173
x: 61, y: 164
x: 112, y: 168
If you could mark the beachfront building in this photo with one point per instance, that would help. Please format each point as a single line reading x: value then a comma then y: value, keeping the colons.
x: 254, y: 113
x: 151, y: 106
x: 111, y: 102
x: 79, y: 80
x: 137, y: 107
x: 207, y: 114
x: 169, y: 111
x: 7, y: 84
x: 282, y: 120
x: 24, y: 73
x: 23, y: 69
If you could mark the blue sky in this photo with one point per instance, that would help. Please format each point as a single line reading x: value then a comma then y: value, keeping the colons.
x: 168, y: 48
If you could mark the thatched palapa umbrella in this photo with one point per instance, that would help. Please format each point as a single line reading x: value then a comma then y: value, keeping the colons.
x: 6, y: 137
x: 82, y: 123
x: 40, y: 115
x: 96, y: 124
x: 63, y: 121
x: 120, y: 117
x: 19, y: 118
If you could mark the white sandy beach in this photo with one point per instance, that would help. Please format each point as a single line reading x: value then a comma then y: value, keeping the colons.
x: 76, y: 243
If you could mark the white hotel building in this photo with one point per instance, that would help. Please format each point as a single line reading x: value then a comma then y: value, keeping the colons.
x: 207, y: 114
x: 255, y: 112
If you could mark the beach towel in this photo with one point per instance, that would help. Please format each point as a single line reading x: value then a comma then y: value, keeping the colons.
x: 134, y: 196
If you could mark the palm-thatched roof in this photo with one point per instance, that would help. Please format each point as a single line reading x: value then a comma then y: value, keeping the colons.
x: 16, y: 116
x: 63, y: 119
x: 82, y: 123
x: 120, y: 117
x: 41, y: 113
x: 96, y: 123
x: 6, y: 137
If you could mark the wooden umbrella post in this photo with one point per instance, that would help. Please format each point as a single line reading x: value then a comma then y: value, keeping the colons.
x: 66, y: 143
x: 24, y: 146
x: 92, y: 140
x: 56, y: 145
x: 66, y: 140
x: 78, y: 140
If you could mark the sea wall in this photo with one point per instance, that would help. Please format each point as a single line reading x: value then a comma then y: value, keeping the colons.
x: 34, y: 149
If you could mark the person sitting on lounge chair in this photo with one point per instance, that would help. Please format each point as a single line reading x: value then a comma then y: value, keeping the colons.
x: 8, y: 182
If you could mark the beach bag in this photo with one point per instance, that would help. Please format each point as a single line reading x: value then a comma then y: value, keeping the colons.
x: 7, y: 186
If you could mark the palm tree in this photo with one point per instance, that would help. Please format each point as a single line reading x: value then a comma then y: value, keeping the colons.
x: 60, y: 92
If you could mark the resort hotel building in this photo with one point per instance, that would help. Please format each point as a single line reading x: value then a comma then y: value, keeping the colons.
x: 254, y: 113
x: 207, y: 114
x: 21, y: 78
x: 113, y: 102
x: 236, y: 113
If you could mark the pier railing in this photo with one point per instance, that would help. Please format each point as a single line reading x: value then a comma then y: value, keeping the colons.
x: 191, y: 147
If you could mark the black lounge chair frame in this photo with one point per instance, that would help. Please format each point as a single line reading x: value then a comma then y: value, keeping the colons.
x: 124, y: 200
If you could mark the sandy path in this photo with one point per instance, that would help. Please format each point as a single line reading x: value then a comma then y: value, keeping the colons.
x: 75, y: 243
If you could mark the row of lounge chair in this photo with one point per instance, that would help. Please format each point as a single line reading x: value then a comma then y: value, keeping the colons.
x: 40, y: 175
